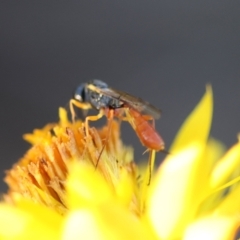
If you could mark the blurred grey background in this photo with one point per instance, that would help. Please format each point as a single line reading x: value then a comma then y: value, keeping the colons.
x: 162, y: 51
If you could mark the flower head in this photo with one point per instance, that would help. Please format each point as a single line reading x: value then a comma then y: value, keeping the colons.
x: 41, y: 174
x: 57, y: 192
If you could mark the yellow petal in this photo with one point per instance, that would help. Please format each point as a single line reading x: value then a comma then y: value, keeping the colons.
x: 82, y: 224
x: 63, y: 116
x: 108, y: 221
x: 29, y: 221
x: 124, y: 188
x: 196, y: 127
x: 39, y: 135
x: 214, y: 151
x: 181, y: 181
x: 230, y: 203
x: 171, y: 206
x: 86, y: 186
x: 213, y: 228
x: 226, y: 166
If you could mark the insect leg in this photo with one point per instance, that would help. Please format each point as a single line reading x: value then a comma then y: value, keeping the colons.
x: 92, y: 118
x: 110, y: 119
x: 78, y: 104
x: 151, y: 162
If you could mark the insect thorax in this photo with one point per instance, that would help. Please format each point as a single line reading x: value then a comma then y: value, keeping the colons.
x: 99, y: 101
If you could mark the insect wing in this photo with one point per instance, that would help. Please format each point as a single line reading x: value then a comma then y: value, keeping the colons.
x: 131, y: 101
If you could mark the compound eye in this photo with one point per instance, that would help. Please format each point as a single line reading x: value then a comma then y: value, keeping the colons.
x: 79, y: 93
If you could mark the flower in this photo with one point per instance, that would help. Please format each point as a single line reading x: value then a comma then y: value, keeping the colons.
x: 57, y: 192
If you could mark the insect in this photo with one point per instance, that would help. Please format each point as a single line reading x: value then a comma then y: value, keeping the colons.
x: 114, y: 103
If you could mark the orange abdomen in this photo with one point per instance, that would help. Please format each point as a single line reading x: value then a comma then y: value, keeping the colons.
x: 148, y: 136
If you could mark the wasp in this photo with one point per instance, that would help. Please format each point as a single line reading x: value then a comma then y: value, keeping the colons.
x: 112, y: 103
